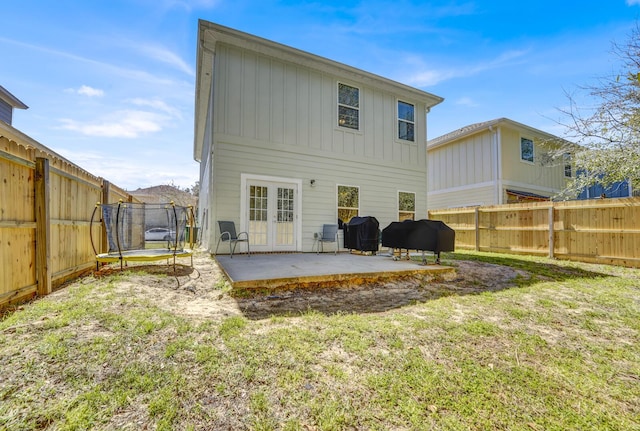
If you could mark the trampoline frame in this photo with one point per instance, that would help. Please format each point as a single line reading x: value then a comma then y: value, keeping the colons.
x: 143, y: 255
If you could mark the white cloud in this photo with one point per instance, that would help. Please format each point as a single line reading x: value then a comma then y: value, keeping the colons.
x: 164, y: 55
x: 158, y: 105
x: 104, y: 67
x: 121, y: 124
x: 466, y: 101
x: 134, y: 170
x: 85, y: 90
x: 429, y: 77
x: 633, y: 2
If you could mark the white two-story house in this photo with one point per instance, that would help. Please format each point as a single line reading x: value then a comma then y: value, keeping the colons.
x: 288, y: 141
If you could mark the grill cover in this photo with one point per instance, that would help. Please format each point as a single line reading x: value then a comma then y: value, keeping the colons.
x: 424, y: 235
x: 362, y: 233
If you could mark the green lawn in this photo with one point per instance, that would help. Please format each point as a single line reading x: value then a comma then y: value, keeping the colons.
x: 560, y: 350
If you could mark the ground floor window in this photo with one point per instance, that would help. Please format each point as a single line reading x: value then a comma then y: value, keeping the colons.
x: 406, y: 206
x: 348, y: 202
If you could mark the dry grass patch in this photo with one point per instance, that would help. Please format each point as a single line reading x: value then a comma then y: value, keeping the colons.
x: 509, y: 343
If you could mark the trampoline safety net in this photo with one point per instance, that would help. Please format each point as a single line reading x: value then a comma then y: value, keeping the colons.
x: 143, y: 231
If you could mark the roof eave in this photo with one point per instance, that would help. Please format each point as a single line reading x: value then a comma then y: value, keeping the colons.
x: 11, y: 99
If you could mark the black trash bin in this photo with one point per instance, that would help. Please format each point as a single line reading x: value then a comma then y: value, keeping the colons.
x: 362, y: 233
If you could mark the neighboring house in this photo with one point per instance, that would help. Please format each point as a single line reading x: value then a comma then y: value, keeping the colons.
x: 495, y: 162
x: 288, y: 141
x: 7, y: 103
x: 621, y: 189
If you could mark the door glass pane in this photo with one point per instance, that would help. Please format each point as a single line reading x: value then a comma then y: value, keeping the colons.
x: 285, y: 215
x: 258, y: 215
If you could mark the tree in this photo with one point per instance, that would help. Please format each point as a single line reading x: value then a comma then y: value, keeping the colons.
x: 195, y: 189
x: 608, y: 133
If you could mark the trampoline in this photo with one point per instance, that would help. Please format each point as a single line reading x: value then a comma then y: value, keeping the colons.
x: 144, y: 232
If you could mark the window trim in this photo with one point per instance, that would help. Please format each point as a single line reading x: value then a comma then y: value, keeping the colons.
x: 533, y: 150
x: 338, y: 207
x: 338, y: 105
x: 415, y: 195
x: 398, y: 120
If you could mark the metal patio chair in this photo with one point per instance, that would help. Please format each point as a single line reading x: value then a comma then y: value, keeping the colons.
x: 329, y: 234
x: 228, y: 234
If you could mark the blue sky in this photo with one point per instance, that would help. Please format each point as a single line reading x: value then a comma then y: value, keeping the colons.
x: 110, y: 84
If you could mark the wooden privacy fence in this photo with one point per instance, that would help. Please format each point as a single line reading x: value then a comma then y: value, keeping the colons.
x: 597, y: 230
x: 46, y: 204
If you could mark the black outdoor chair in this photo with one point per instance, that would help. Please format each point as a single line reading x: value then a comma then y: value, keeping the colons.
x: 228, y: 234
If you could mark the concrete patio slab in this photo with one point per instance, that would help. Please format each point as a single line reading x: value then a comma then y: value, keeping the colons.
x: 286, y: 271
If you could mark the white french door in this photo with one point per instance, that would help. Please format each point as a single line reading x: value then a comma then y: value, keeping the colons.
x: 272, y: 214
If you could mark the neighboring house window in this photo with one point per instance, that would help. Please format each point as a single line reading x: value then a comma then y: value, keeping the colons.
x: 526, y: 150
x: 348, y: 202
x: 566, y: 158
x: 406, y: 206
x: 405, y: 121
x: 348, y: 106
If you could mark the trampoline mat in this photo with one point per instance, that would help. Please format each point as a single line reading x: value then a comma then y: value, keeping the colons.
x: 143, y: 255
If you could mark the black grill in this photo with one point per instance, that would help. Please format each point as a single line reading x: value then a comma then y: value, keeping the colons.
x: 362, y: 233
x: 421, y: 235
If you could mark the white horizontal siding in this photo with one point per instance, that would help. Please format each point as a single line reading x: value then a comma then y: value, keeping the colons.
x: 378, y: 187
x: 483, y: 194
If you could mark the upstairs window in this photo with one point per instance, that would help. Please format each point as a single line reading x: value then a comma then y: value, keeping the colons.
x: 348, y: 202
x: 566, y: 158
x: 406, y: 206
x: 406, y: 123
x: 348, y: 106
x: 526, y: 150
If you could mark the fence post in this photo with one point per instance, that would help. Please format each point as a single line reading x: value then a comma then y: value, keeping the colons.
x: 551, y: 235
x: 477, y: 221
x: 106, y: 191
x: 43, y: 226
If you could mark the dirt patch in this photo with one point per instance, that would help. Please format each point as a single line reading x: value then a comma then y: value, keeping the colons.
x: 199, y: 292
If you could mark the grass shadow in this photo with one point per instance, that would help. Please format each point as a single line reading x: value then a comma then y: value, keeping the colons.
x: 538, y: 268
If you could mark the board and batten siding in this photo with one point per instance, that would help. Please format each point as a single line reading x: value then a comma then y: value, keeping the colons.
x: 542, y: 177
x: 277, y: 119
x: 466, y: 162
x: 269, y: 101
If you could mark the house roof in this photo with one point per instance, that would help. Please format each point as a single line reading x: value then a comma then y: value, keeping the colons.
x: 209, y: 34
x: 11, y: 99
x: 481, y: 127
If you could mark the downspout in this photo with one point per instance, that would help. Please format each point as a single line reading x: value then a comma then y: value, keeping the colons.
x: 499, y: 145
x: 426, y: 162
